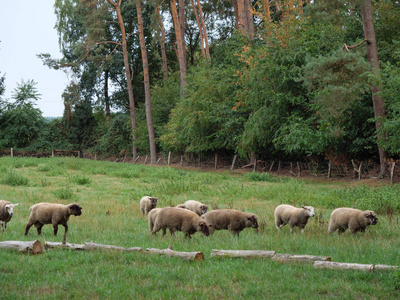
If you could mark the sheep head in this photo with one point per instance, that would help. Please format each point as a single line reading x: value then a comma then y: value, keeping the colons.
x: 204, y: 228
x: 203, y: 209
x: 251, y: 221
x: 10, y: 208
x: 371, y: 217
x: 153, y: 201
x: 74, y: 209
x: 309, y: 210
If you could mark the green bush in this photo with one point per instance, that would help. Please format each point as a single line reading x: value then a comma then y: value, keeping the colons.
x: 14, y: 179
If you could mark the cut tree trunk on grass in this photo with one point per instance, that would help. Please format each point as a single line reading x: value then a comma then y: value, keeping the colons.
x: 90, y: 246
x: 343, y: 266
x: 280, y: 257
x: 386, y: 268
x: 242, y: 253
x: 197, y: 256
x: 33, y: 247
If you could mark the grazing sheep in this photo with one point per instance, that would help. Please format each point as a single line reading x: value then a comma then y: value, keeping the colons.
x: 147, y: 203
x: 195, y: 206
x: 152, y: 218
x: 233, y: 220
x: 177, y: 219
x: 350, y: 218
x: 288, y: 214
x: 51, y: 213
x: 6, y: 213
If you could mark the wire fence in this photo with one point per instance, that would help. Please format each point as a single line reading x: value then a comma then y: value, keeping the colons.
x: 323, y: 169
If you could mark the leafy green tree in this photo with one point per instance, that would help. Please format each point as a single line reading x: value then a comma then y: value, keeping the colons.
x: 20, y: 121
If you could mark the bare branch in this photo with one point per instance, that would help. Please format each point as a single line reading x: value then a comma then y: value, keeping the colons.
x: 347, y: 47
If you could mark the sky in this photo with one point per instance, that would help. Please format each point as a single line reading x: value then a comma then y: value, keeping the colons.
x: 27, y: 29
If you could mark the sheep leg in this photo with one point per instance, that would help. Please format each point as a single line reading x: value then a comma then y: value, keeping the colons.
x: 55, y: 228
x: 39, y: 228
x: 65, y: 234
x: 3, y: 225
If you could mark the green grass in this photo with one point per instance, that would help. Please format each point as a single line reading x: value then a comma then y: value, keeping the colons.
x: 109, y: 194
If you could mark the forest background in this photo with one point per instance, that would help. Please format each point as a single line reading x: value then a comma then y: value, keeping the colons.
x: 289, y: 80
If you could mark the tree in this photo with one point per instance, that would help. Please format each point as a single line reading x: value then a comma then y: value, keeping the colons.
x: 372, y: 55
x: 21, y: 121
x: 149, y: 117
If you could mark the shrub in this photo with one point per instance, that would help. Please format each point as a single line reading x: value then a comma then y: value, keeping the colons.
x: 14, y: 179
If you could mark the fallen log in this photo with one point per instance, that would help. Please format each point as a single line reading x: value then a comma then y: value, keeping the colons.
x: 280, y: 257
x: 93, y: 246
x: 53, y: 245
x: 89, y: 246
x: 343, y: 266
x: 242, y: 253
x: 386, y: 268
x: 197, y: 256
x: 33, y: 247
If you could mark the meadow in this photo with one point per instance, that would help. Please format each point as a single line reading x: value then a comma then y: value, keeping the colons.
x: 109, y: 194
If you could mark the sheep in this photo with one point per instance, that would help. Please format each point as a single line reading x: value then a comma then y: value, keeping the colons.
x: 233, y: 220
x: 195, y: 206
x: 147, y: 203
x: 6, y: 213
x: 350, y: 218
x: 152, y: 218
x: 51, y: 213
x: 177, y: 219
x: 294, y: 216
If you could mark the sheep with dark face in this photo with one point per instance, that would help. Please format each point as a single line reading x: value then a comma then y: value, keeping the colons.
x: 178, y: 219
x: 350, y: 218
x: 51, y: 213
x: 195, y: 206
x: 147, y: 203
x: 6, y: 213
x: 294, y: 216
x: 230, y: 219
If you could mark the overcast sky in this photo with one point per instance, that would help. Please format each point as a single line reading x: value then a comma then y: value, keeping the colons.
x: 27, y: 29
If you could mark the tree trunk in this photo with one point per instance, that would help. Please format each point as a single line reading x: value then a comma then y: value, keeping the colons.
x: 299, y: 258
x: 203, y: 50
x: 242, y: 253
x: 372, y: 55
x: 184, y: 255
x: 248, y: 7
x: 34, y: 247
x: 163, y: 54
x: 207, y: 45
x: 117, y: 7
x: 149, y: 117
x: 106, y: 96
x: 181, y: 49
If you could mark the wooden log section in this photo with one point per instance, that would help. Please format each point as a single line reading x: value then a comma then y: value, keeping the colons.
x: 32, y: 247
x: 242, y: 253
x: 280, y: 257
x: 197, y: 256
x: 343, y: 266
x: 90, y: 246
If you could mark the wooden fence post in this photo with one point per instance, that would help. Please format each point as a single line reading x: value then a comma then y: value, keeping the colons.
x: 233, y: 162
x: 12, y: 152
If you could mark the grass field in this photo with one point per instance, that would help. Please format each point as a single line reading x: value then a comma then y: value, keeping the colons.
x: 109, y: 194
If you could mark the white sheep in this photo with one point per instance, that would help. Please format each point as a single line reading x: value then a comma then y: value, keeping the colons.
x: 195, y: 206
x: 230, y: 219
x: 177, y: 219
x: 6, y: 212
x: 294, y: 216
x: 147, y: 203
x: 350, y: 218
x: 51, y: 213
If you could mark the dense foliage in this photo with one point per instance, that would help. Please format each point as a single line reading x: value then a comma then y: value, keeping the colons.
x: 290, y: 91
